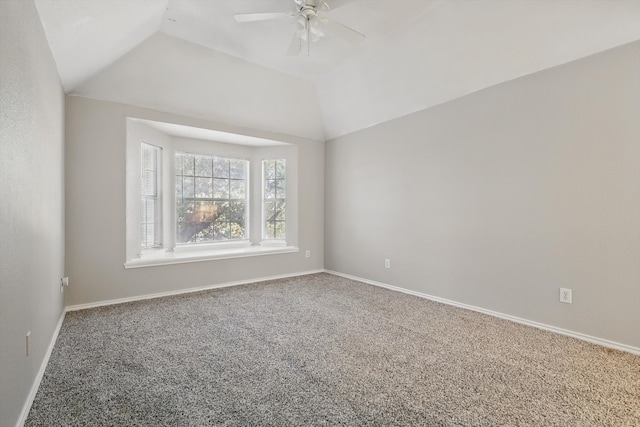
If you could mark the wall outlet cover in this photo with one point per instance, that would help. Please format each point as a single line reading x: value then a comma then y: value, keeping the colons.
x: 565, y: 295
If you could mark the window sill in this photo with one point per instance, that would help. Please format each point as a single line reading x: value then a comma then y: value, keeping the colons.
x: 167, y: 258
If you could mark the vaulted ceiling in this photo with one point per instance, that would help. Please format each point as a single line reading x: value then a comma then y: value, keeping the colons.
x: 191, y: 57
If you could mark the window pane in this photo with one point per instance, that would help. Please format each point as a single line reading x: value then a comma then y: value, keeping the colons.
x: 143, y: 236
x: 185, y: 211
x: 178, y: 163
x: 203, y: 234
x: 237, y: 230
x: 237, y: 211
x: 238, y: 169
x: 148, y: 186
x: 203, y: 166
x: 204, y: 188
x: 221, y: 231
x: 151, y: 212
x: 149, y: 157
x: 280, y: 230
x: 281, y: 192
x: 269, y: 211
x: 238, y: 189
x: 184, y: 232
x: 222, y: 211
x: 269, y: 169
x: 221, y: 188
x: 143, y: 210
x: 269, y: 189
x: 188, y: 164
x: 178, y: 188
x: 220, y: 167
x: 280, y: 172
x: 151, y: 236
x: 280, y: 210
x: 270, y: 232
x: 204, y: 212
x: 188, y: 187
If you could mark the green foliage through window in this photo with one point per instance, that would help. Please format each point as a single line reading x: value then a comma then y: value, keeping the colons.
x: 211, y: 198
x: 274, y: 199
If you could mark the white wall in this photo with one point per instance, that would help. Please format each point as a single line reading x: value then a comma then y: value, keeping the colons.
x: 95, y: 217
x: 499, y: 198
x: 32, y: 202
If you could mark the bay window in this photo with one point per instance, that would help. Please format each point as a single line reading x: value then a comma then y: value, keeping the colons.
x: 216, y: 196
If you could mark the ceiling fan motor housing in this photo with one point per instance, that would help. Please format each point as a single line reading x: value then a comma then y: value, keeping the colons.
x: 310, y: 3
x: 308, y: 24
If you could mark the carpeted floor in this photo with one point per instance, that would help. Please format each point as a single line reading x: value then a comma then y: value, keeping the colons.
x: 324, y: 350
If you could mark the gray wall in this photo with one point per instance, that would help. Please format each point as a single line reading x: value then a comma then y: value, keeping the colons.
x: 31, y: 202
x: 499, y: 198
x: 95, y: 215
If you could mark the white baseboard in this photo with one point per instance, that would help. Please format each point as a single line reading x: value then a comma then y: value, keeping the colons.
x: 43, y: 366
x: 578, y: 335
x: 186, y: 291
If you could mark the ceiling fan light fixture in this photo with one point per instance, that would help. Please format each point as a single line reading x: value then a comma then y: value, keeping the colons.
x: 308, y: 26
x: 315, y: 28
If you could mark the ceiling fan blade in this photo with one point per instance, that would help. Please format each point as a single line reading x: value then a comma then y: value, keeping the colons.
x: 323, y: 7
x: 341, y: 30
x: 255, y: 17
x: 295, y: 46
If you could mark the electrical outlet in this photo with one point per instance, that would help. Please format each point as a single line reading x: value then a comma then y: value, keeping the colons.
x: 64, y: 282
x: 26, y: 353
x: 387, y: 263
x: 565, y: 295
x: 307, y: 254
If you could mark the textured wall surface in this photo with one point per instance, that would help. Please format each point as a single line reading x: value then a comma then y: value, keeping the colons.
x: 31, y: 202
x: 95, y: 216
x: 501, y: 197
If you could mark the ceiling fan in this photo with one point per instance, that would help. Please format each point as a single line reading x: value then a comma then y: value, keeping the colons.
x: 309, y: 25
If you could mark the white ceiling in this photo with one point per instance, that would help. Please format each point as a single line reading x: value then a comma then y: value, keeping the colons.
x: 86, y: 36
x: 211, y: 24
x: 417, y: 53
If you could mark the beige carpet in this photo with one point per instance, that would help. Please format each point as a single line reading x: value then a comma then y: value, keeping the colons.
x: 323, y: 350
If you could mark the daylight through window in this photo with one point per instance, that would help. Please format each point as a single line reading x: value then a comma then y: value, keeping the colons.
x: 274, y: 199
x: 211, y: 198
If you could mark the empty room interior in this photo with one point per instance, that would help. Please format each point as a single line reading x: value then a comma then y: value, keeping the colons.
x: 320, y: 212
